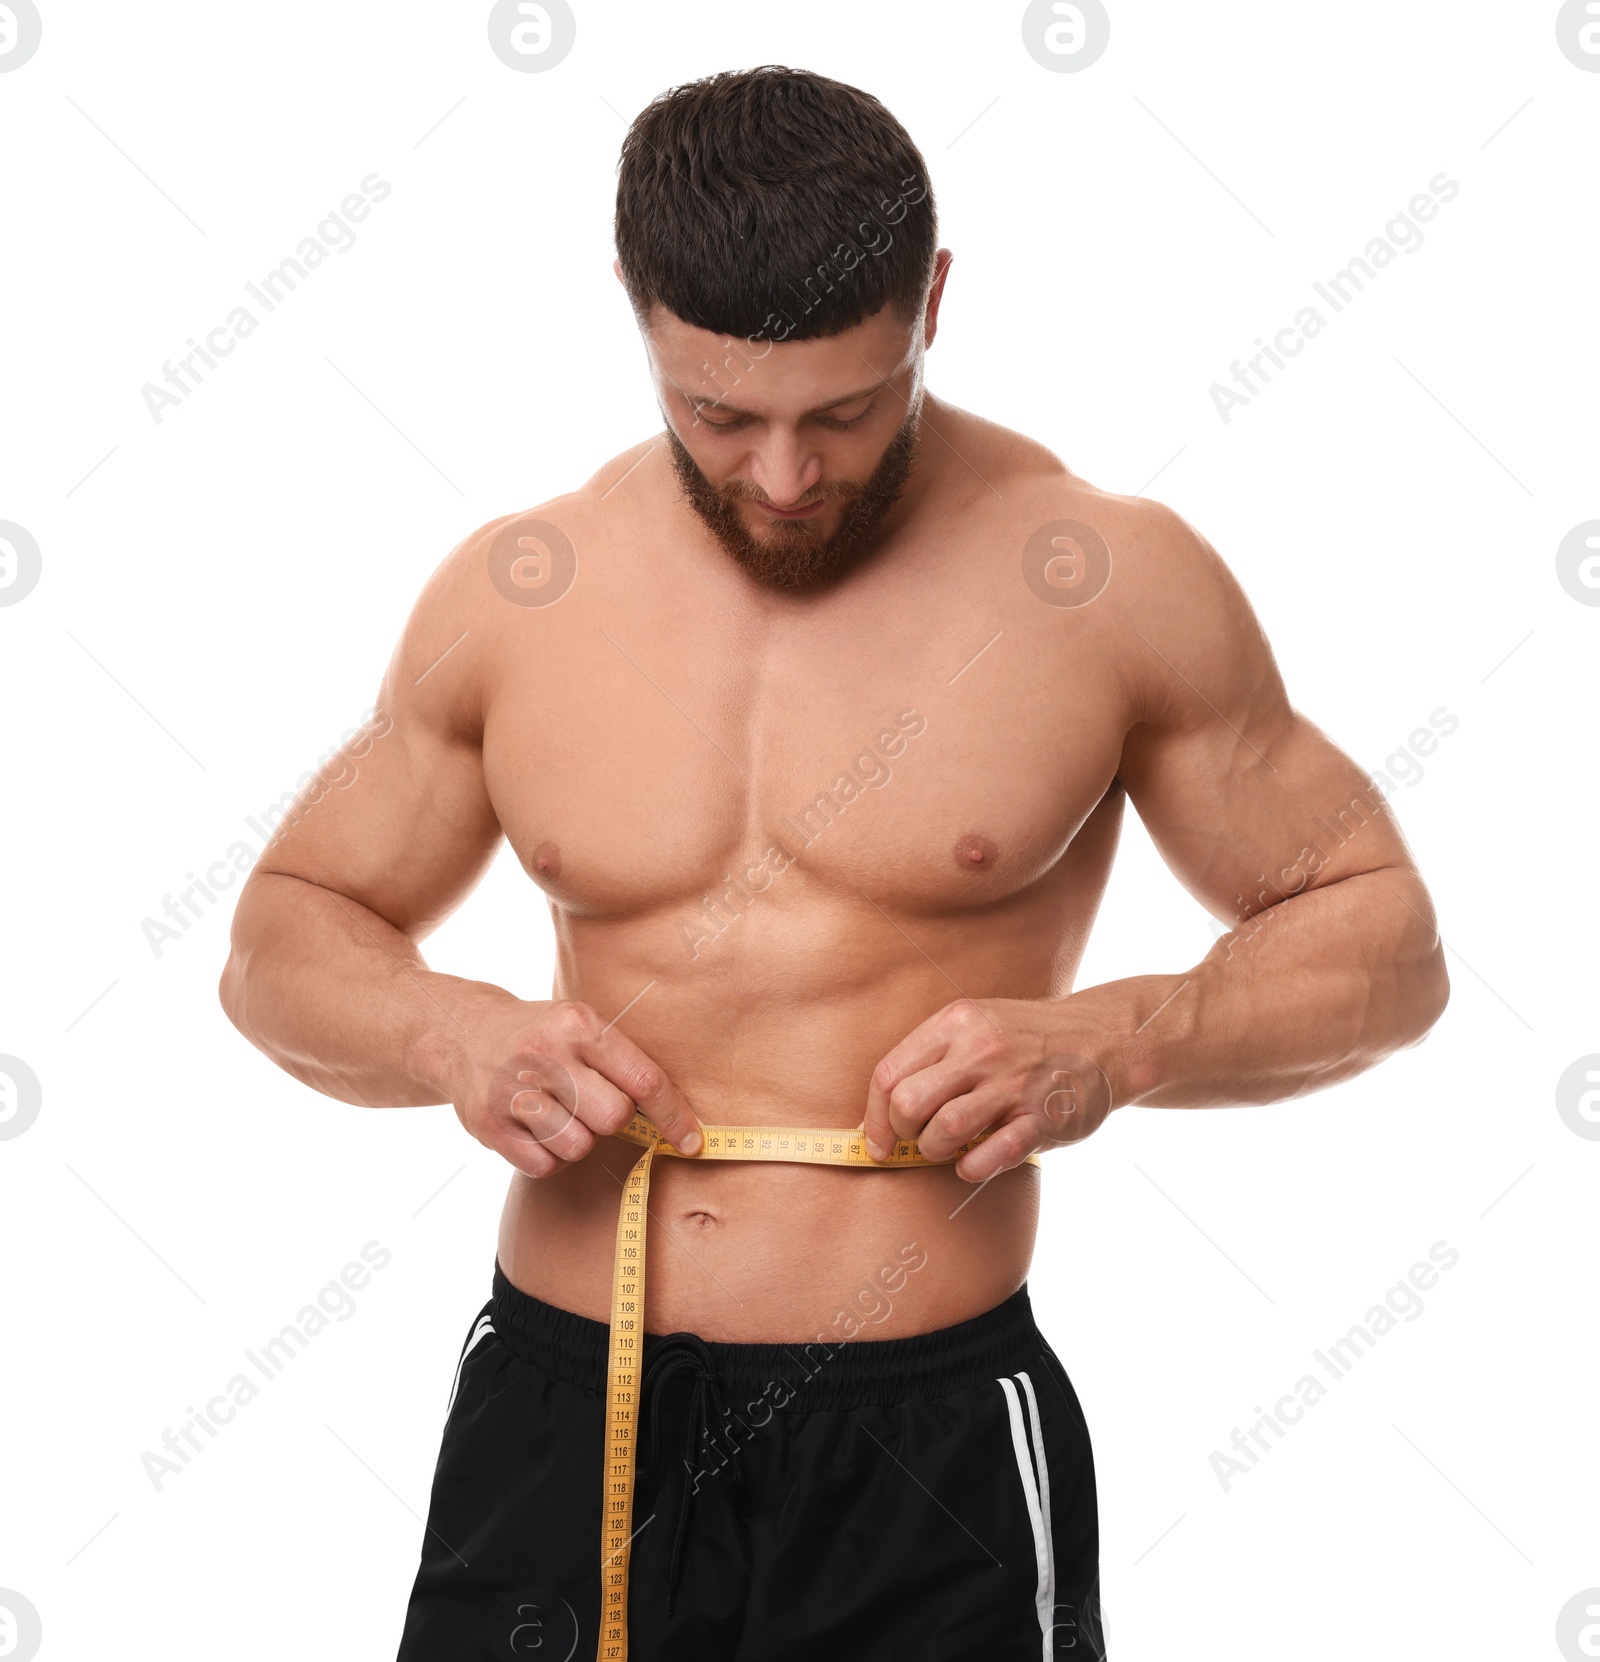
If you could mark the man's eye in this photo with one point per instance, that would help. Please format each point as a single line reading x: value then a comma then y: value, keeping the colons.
x: 832, y: 423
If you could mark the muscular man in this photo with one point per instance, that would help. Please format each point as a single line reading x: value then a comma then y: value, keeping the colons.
x: 814, y: 718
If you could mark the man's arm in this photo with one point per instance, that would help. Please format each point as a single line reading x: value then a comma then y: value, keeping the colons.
x: 326, y: 975
x: 1333, y: 960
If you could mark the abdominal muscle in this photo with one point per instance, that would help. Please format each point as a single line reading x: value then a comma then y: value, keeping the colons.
x: 770, y: 1253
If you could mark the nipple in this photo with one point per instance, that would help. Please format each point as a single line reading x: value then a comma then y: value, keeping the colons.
x: 974, y: 853
x: 546, y: 861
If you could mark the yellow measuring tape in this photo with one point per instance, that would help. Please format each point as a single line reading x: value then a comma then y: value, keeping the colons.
x: 721, y: 1142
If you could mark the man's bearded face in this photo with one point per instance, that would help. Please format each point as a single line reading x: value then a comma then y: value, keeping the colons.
x: 798, y: 555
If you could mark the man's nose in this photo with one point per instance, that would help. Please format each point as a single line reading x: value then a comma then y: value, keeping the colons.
x: 785, y: 470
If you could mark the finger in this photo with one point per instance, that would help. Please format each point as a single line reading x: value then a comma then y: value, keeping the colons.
x: 526, y: 1153
x: 917, y: 1102
x: 541, y: 1116
x: 962, y: 1117
x: 551, y: 1123
x: 613, y: 1055
x: 921, y: 1048
x: 533, y: 1095
x: 1007, y: 1146
x: 601, y: 1106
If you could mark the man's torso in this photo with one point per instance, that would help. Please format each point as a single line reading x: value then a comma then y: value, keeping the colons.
x: 779, y: 832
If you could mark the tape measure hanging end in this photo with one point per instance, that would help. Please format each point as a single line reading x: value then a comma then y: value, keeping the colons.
x: 624, y: 1370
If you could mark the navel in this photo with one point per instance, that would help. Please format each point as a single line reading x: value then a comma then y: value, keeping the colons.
x: 546, y: 861
x: 974, y: 853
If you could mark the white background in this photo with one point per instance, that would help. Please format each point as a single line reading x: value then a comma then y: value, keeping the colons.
x: 220, y: 591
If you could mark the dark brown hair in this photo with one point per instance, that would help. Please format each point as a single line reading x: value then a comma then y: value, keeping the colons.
x: 774, y: 204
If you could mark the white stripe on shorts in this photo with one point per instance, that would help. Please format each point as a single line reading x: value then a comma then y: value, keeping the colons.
x: 1037, y: 1492
x: 483, y: 1327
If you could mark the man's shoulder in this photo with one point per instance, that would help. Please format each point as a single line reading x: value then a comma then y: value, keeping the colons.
x: 530, y: 556
x: 1126, y: 565
x: 1136, y: 545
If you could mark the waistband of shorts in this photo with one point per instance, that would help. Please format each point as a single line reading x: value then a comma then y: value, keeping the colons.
x: 797, y: 1377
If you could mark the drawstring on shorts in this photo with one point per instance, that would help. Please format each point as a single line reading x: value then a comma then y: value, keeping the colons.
x: 675, y: 1354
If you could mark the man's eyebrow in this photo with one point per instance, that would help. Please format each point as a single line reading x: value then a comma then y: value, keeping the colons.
x: 832, y: 404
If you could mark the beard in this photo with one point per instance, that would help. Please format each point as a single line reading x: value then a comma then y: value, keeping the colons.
x: 793, y: 555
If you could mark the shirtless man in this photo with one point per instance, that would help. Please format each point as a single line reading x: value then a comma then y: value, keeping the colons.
x: 813, y: 717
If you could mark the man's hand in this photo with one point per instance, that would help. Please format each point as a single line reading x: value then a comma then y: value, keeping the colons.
x: 1013, y: 1066
x: 538, y: 1082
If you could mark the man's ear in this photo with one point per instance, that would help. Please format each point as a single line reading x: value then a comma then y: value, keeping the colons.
x: 941, y: 270
x: 616, y: 266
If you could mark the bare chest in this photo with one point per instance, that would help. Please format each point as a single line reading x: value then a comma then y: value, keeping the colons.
x: 934, y: 755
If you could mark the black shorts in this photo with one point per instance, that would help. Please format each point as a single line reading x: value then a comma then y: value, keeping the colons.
x: 929, y: 1497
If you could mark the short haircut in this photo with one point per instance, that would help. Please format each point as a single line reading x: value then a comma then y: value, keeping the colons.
x: 773, y: 204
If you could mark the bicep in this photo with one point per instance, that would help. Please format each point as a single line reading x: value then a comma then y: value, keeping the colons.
x: 1247, y: 800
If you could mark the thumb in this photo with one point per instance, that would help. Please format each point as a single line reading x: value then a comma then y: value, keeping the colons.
x: 668, y: 1111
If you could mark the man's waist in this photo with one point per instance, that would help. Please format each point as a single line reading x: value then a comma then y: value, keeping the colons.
x: 795, y: 1377
x: 799, y: 1145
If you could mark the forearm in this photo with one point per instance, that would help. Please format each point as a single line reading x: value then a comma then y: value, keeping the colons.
x: 1305, y: 993
x: 341, y: 999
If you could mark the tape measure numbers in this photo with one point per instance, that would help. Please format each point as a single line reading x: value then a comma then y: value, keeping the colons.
x: 626, y: 1352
